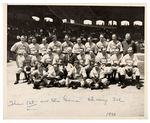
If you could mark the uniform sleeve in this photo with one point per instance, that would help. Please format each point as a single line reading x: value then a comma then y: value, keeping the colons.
x: 135, y: 61
x: 108, y: 47
x: 51, y: 72
x: 49, y: 46
x: 121, y: 48
x: 92, y: 74
x: 84, y: 73
x: 43, y: 59
x: 14, y: 48
x: 28, y: 49
x: 74, y: 49
x: 123, y: 61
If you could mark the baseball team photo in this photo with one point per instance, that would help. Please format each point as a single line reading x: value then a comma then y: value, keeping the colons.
x: 75, y: 61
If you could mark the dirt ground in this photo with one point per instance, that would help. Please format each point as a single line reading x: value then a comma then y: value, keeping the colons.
x: 22, y: 101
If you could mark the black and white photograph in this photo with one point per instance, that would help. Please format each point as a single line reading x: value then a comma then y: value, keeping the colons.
x: 75, y: 61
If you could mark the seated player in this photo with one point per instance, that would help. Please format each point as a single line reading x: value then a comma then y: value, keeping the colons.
x: 97, y: 78
x: 76, y: 77
x: 46, y: 57
x: 61, y: 74
x: 69, y: 59
x: 106, y: 69
x: 27, y: 69
x: 38, y: 76
x: 101, y: 55
x: 115, y: 63
x: 130, y: 71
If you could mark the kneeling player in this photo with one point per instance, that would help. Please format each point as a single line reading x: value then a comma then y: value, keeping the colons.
x: 130, y: 71
x: 76, y: 76
x: 97, y: 78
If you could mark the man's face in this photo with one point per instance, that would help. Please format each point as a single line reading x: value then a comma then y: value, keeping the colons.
x: 116, y: 51
x: 89, y: 39
x: 130, y: 51
x: 114, y: 37
x: 29, y: 41
x: 22, y: 38
x: 101, y: 37
x: 44, y: 41
x: 127, y: 37
x: 66, y: 38
x: 79, y: 40
x: 96, y: 67
x: 104, y: 50
x: 33, y: 40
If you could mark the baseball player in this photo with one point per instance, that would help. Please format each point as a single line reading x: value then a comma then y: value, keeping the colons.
x: 69, y: 59
x: 43, y: 47
x: 90, y: 46
x: 112, y: 45
x: 21, y: 49
x: 28, y: 68
x: 128, y: 42
x: 115, y: 63
x: 47, y: 57
x: 66, y: 44
x: 78, y: 47
x: 61, y: 74
x: 130, y: 70
x: 101, y: 55
x: 76, y: 77
x: 97, y: 78
x: 55, y: 45
x: 38, y: 76
x: 81, y: 58
x: 102, y: 43
x: 34, y: 52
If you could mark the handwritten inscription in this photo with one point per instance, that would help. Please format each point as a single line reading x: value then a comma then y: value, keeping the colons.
x: 32, y: 104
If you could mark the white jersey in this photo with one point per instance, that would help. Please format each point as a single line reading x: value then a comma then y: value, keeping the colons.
x: 54, y: 46
x: 34, y: 48
x: 78, y: 48
x: 116, y: 59
x: 113, y: 45
x: 129, y: 60
x: 90, y: 47
x: 43, y: 48
x: 20, y: 48
x: 66, y: 45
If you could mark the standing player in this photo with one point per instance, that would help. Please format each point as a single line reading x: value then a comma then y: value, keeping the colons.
x: 66, y: 44
x: 34, y: 49
x: 128, y: 43
x: 55, y: 45
x: 21, y: 49
x: 90, y: 46
x: 112, y: 45
x: 43, y: 47
x: 102, y: 43
x: 78, y: 47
